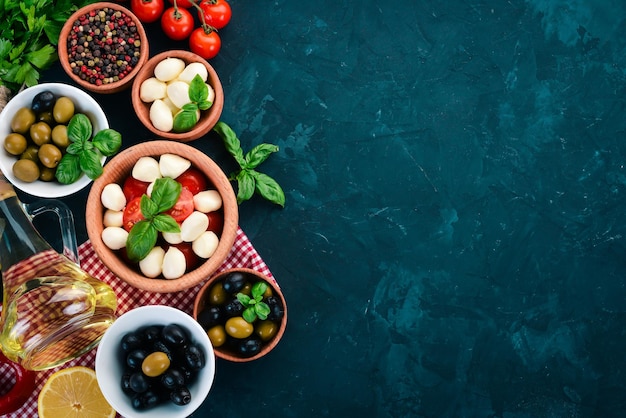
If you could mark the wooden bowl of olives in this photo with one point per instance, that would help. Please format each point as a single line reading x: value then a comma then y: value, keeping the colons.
x: 244, y: 313
x: 33, y: 131
x: 164, y: 85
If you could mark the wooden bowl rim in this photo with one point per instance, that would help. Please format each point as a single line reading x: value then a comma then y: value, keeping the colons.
x: 105, y: 88
x: 277, y: 290
x: 95, y: 211
x: 207, y: 120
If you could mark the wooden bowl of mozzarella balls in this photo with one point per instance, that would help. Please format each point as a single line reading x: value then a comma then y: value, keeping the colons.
x: 163, y: 216
x: 178, y: 95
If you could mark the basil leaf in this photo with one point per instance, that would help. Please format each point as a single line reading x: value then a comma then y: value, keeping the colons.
x: 148, y: 208
x: 165, y: 223
x: 243, y: 298
x: 165, y: 193
x: 68, y: 169
x: 198, y: 90
x: 74, y: 148
x: 249, y: 314
x: 79, y: 129
x: 108, y: 141
x: 258, y: 290
x: 245, y: 183
x: 141, y: 239
x: 269, y: 189
x: 230, y: 141
x: 205, y: 104
x: 262, y: 310
x: 89, y: 162
x: 185, y: 120
x: 259, y: 154
x: 190, y: 106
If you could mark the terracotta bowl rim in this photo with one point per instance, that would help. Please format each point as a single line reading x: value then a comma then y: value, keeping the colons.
x: 208, y: 119
x: 105, y: 88
x: 278, y: 292
x: 94, y: 212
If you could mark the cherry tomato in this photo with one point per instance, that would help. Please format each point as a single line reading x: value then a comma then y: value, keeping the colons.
x: 191, y: 259
x: 217, y: 13
x: 185, y: 4
x: 147, y: 11
x: 205, y: 44
x: 177, y: 23
x: 133, y: 188
x: 132, y: 214
x: 183, y: 206
x: 216, y: 222
x: 193, y: 180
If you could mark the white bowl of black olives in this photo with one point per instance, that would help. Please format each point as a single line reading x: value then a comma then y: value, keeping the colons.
x: 35, y: 136
x: 155, y: 361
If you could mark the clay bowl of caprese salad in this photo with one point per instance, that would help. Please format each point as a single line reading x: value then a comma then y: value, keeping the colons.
x: 162, y: 217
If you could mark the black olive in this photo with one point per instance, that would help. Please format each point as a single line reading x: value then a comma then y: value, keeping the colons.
x: 276, y: 308
x: 174, y: 335
x: 43, y: 101
x: 135, y: 358
x: 152, y: 333
x: 131, y: 341
x: 172, y: 378
x: 162, y: 347
x: 233, y: 308
x: 126, y: 384
x: 249, y: 347
x: 210, y: 316
x: 139, y: 382
x: 145, y: 400
x: 180, y: 396
x: 194, y: 357
x: 234, y: 282
x: 189, y: 374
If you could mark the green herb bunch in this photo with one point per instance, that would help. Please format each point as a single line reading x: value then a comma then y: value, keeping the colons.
x: 249, y: 180
x: 83, y: 154
x: 253, y: 305
x: 29, y: 35
x: 187, y: 117
x: 143, y: 235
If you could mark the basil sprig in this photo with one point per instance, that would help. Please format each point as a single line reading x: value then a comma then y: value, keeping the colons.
x: 83, y: 154
x: 249, y: 180
x: 187, y: 117
x: 142, y: 237
x: 253, y: 305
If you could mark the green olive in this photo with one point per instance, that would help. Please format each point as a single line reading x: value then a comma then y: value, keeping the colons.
x: 15, y: 143
x: 155, y: 364
x: 59, y: 136
x: 40, y: 133
x: 22, y: 120
x: 266, y: 329
x: 63, y: 110
x: 49, y: 155
x: 26, y: 170
x: 47, y: 174
x: 268, y: 292
x: 237, y: 327
x: 217, y: 295
x: 31, y: 153
x: 217, y: 335
x: 247, y: 289
x: 46, y: 117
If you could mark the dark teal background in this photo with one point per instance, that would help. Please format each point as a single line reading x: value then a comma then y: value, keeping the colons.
x: 453, y: 239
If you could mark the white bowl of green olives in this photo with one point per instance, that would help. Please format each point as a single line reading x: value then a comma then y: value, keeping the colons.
x: 33, y: 132
x: 155, y: 361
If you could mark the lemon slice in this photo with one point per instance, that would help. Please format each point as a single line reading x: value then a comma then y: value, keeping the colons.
x: 73, y: 392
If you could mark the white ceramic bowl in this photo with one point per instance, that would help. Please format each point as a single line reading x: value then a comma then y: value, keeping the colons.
x: 83, y: 102
x: 109, y: 367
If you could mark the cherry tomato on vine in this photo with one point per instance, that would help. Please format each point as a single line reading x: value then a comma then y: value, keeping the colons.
x: 147, y: 11
x: 186, y: 4
x: 205, y: 43
x: 217, y: 13
x: 177, y: 23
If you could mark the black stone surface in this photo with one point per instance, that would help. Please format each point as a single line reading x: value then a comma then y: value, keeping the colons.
x: 453, y: 239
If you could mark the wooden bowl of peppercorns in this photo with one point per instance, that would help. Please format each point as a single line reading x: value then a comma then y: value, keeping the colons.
x: 102, y: 47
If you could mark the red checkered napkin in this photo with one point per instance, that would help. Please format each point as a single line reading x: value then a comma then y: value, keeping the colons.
x: 243, y: 254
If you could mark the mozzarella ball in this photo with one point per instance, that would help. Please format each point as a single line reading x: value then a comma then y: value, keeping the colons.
x: 112, y: 197
x: 172, y: 165
x: 169, y: 69
x: 146, y: 169
x: 152, y: 89
x: 205, y: 245
x: 172, y: 237
x: 174, y: 264
x: 151, y: 266
x: 161, y: 116
x: 178, y: 93
x: 207, y: 201
x: 194, y: 226
x: 193, y: 69
x: 114, y: 237
x: 113, y: 218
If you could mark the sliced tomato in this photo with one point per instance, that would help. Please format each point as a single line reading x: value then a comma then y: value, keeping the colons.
x: 133, y: 188
x: 191, y: 259
x: 183, y: 206
x: 193, y: 180
x: 216, y: 222
x: 132, y: 214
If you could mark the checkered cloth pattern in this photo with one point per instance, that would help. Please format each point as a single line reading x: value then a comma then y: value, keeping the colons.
x: 243, y: 254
